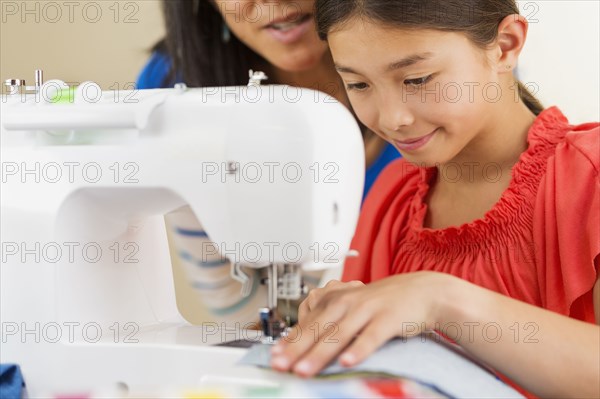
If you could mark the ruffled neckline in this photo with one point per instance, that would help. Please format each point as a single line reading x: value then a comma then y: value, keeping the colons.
x: 515, y: 207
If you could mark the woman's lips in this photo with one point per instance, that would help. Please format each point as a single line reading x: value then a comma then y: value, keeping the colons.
x: 414, y: 144
x: 290, y: 30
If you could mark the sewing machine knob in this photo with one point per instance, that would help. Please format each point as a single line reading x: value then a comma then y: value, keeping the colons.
x: 180, y: 87
x: 14, y: 85
x: 256, y: 78
x: 232, y: 167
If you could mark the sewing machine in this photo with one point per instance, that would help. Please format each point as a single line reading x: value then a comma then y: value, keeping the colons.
x: 274, y: 173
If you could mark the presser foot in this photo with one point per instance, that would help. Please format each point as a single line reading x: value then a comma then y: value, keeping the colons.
x: 273, y: 327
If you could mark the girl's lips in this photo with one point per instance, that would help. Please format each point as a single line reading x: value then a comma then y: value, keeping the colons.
x: 411, y: 145
x: 290, y: 32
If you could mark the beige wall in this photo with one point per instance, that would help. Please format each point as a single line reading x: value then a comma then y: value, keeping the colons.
x: 562, y: 66
x: 561, y: 58
x: 88, y: 40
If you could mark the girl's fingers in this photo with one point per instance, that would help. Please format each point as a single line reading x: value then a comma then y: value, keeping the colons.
x: 376, y: 334
x: 315, y: 295
x: 355, y: 283
x: 307, y: 334
x: 295, y: 334
x: 303, y: 310
x: 348, y: 309
x: 333, y: 339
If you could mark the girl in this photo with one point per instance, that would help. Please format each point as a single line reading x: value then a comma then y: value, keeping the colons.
x: 214, y: 43
x: 490, y: 224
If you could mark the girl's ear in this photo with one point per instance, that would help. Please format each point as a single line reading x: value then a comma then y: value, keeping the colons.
x: 512, y: 33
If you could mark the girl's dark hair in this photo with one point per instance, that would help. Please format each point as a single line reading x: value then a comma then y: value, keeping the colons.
x: 478, y: 19
x: 197, y: 51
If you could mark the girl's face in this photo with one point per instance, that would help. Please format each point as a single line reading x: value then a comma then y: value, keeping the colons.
x: 283, y: 32
x: 429, y: 93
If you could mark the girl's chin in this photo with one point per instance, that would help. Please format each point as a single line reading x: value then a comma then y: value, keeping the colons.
x: 424, y: 162
x: 420, y: 161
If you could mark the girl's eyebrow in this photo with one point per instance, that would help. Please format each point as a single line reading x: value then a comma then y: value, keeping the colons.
x: 403, y: 63
x: 408, y: 61
x: 341, y: 68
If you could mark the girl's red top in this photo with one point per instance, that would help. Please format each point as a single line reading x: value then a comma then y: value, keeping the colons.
x: 537, y: 244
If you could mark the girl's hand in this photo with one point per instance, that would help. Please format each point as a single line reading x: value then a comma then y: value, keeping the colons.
x: 402, y: 305
x: 315, y: 295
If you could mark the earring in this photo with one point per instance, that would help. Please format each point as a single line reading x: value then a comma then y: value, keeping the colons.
x: 508, y: 66
x: 225, y: 33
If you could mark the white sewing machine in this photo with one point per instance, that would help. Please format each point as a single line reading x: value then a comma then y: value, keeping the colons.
x: 274, y: 173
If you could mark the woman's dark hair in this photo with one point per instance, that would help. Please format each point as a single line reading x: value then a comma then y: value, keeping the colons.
x: 478, y: 19
x: 197, y: 51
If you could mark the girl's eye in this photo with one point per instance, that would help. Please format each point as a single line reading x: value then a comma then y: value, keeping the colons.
x: 418, y: 81
x: 356, y: 86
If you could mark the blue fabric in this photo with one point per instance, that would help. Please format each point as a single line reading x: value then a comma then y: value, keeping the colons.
x: 11, y: 382
x: 388, y: 154
x: 153, y: 77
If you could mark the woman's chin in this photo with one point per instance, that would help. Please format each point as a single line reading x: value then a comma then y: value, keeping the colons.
x: 298, y: 61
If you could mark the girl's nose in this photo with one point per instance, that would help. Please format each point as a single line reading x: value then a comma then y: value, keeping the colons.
x: 394, y: 114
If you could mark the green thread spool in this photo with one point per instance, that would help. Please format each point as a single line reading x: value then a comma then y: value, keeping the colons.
x: 64, y: 96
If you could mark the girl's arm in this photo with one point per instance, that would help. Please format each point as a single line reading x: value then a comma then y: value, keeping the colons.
x: 544, y: 352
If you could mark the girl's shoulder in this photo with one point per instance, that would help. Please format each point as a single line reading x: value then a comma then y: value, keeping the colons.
x: 552, y: 134
x: 566, y: 219
x: 560, y: 156
x: 584, y: 140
